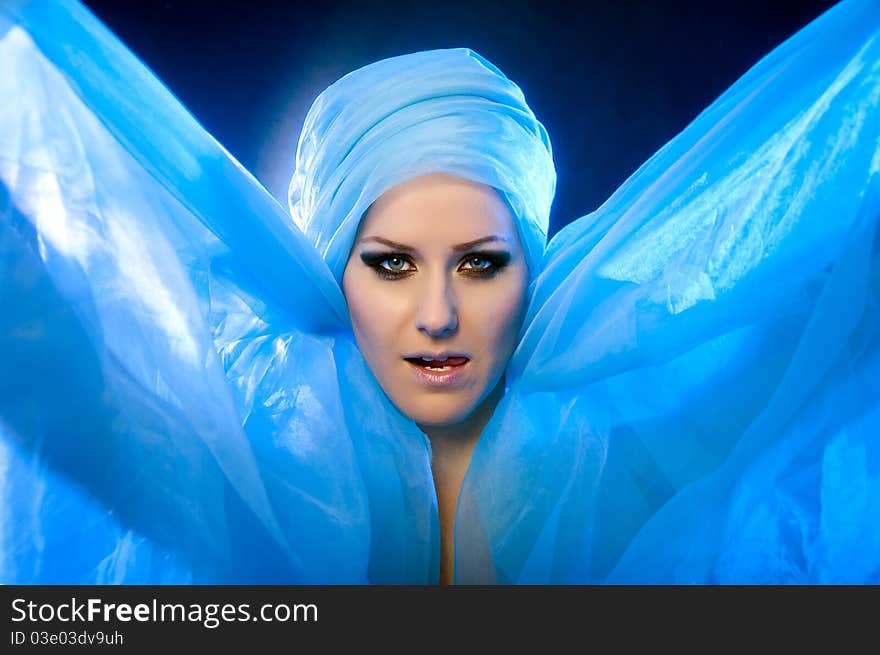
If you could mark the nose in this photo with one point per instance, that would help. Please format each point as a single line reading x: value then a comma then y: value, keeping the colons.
x: 437, y: 311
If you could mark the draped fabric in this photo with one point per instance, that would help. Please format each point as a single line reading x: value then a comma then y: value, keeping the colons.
x: 179, y: 382
x: 445, y: 111
x: 695, y: 396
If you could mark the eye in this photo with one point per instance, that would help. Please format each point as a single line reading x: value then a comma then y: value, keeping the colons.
x: 395, y: 264
x: 389, y: 266
x: 484, y: 264
x: 477, y: 263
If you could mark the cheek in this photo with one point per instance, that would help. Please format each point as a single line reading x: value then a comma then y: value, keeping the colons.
x: 497, y: 316
x: 366, y: 320
x: 375, y: 317
x: 355, y: 289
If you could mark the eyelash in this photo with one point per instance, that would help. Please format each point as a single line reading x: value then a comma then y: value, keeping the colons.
x: 496, y: 262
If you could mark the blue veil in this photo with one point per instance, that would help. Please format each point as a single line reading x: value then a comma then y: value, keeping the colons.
x: 696, y: 394
x: 694, y: 397
x: 447, y: 111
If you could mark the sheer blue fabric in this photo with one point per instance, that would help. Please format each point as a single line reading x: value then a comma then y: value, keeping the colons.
x: 178, y: 376
x: 447, y: 111
x: 695, y: 398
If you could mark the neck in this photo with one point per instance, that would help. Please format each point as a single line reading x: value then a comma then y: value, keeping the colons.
x: 452, y: 447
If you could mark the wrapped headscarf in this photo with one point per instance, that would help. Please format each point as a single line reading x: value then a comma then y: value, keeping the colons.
x: 448, y: 111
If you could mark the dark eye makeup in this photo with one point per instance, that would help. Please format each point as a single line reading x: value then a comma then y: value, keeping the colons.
x: 481, y: 264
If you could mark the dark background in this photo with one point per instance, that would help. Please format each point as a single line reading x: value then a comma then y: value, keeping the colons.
x: 611, y: 80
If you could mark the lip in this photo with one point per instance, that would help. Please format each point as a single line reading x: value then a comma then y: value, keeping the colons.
x: 446, y: 354
x: 438, y: 378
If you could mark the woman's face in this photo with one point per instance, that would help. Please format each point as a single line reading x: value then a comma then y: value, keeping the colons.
x: 436, y: 284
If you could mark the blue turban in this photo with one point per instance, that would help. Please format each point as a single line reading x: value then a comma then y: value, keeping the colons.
x: 447, y: 111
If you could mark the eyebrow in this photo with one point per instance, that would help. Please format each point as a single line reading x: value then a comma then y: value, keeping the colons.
x: 456, y: 248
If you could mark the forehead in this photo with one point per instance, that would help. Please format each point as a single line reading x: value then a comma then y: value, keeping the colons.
x: 439, y: 209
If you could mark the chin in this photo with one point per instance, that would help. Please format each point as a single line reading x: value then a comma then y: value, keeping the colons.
x: 436, y: 412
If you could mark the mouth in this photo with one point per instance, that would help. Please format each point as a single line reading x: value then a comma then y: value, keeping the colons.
x: 438, y: 363
x: 438, y: 370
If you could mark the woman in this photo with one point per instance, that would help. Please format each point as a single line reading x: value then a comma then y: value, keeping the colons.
x: 691, y: 396
x: 430, y: 205
x: 436, y: 288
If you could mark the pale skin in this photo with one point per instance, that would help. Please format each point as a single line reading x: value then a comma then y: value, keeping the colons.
x: 437, y: 271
